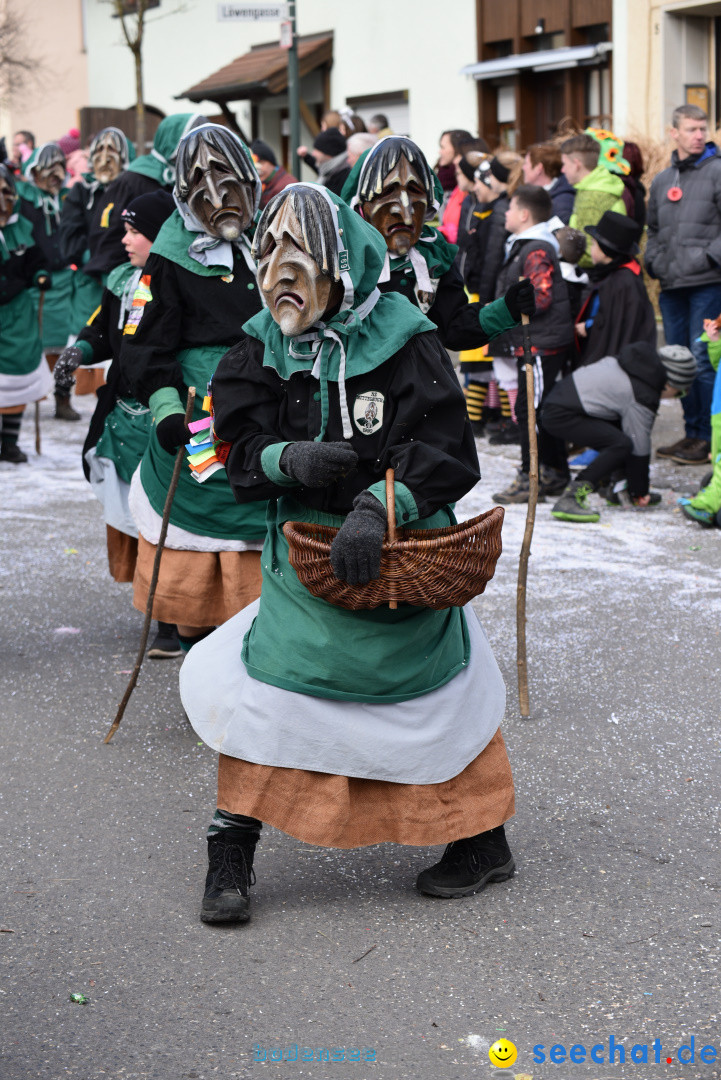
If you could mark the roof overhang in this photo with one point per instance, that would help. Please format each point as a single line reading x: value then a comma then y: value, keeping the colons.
x: 544, y: 60
x: 262, y: 71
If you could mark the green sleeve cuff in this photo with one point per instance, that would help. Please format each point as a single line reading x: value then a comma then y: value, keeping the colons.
x: 270, y: 464
x: 165, y: 402
x: 406, y: 509
x: 495, y: 318
x: 87, y: 350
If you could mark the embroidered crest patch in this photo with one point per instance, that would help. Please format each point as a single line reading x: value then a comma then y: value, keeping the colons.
x: 368, y: 411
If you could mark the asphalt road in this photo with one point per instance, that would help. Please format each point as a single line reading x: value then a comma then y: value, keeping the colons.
x: 609, y: 929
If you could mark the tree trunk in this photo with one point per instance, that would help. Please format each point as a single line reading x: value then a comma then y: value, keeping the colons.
x: 140, y: 106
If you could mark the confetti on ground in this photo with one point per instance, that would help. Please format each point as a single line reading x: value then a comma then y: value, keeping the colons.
x: 67, y: 630
x: 79, y: 999
x: 70, y: 551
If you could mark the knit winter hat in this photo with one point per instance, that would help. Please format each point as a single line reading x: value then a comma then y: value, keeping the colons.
x: 70, y: 142
x: 262, y: 152
x: 149, y: 212
x: 680, y: 365
x: 330, y: 142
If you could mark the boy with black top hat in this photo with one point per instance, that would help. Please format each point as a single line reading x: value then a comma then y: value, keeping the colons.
x: 617, y: 311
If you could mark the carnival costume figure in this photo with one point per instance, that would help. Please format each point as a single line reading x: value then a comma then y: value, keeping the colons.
x: 24, y: 374
x: 42, y: 196
x: 394, y: 188
x: 197, y: 290
x: 109, y: 154
x: 345, y: 728
x: 120, y: 427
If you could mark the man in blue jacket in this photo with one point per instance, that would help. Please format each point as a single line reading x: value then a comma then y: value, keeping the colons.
x: 684, y: 253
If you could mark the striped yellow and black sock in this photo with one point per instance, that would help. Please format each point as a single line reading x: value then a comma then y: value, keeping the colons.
x: 475, y: 399
x: 10, y: 428
x: 505, y: 403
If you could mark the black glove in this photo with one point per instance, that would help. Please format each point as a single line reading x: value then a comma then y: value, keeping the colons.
x: 317, y: 464
x: 69, y: 360
x: 521, y: 299
x: 172, y: 432
x: 44, y: 282
x: 355, y: 554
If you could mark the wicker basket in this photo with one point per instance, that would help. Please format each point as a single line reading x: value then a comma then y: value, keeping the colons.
x: 434, y: 568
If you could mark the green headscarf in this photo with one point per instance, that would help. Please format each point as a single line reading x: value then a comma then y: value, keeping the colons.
x: 368, y: 328
x: 51, y: 205
x: 158, y: 164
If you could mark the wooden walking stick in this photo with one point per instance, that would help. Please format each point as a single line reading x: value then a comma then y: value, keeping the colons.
x: 41, y: 301
x: 154, y: 576
x: 530, y: 521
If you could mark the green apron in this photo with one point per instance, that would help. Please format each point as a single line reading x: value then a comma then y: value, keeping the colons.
x: 20, y: 349
x: 304, y: 644
x: 87, y: 297
x: 208, y: 509
x: 125, y: 436
x: 57, y: 310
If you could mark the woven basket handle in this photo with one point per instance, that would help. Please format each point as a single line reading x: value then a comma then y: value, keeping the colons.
x: 391, y: 509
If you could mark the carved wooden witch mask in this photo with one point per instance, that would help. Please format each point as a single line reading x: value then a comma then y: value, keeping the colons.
x: 217, y: 180
x: 108, y: 155
x: 297, y: 290
x: 49, y: 168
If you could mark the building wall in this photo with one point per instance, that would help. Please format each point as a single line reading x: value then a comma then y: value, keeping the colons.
x: 379, y: 47
x: 53, y: 37
x: 664, y: 46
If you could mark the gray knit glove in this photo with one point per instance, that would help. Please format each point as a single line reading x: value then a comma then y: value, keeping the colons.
x: 355, y: 554
x: 69, y: 361
x: 317, y: 464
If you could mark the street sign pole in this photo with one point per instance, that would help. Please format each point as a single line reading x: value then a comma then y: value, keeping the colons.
x: 294, y: 92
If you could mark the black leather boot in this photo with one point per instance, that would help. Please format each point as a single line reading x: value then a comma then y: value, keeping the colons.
x: 230, y: 874
x: 469, y: 865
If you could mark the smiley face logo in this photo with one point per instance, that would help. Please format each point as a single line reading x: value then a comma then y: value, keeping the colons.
x: 502, y: 1054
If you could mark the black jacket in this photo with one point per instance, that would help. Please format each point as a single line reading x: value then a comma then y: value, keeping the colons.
x: 490, y: 240
x: 551, y: 328
x: 106, y: 228
x: 456, y: 319
x: 424, y: 435
x: 563, y: 196
x: 684, y: 235
x: 187, y: 310
x: 625, y: 313
x: 469, y: 260
x: 18, y: 272
x: 47, y: 243
x: 76, y: 219
x: 105, y: 338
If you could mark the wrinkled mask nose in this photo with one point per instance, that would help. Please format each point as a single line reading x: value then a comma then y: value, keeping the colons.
x: 406, y: 210
x: 276, y: 270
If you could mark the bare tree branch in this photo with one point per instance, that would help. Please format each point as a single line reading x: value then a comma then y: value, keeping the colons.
x: 18, y: 68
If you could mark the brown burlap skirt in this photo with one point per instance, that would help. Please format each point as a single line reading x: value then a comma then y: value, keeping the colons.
x: 345, y: 812
x: 197, y: 588
x: 122, y: 554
